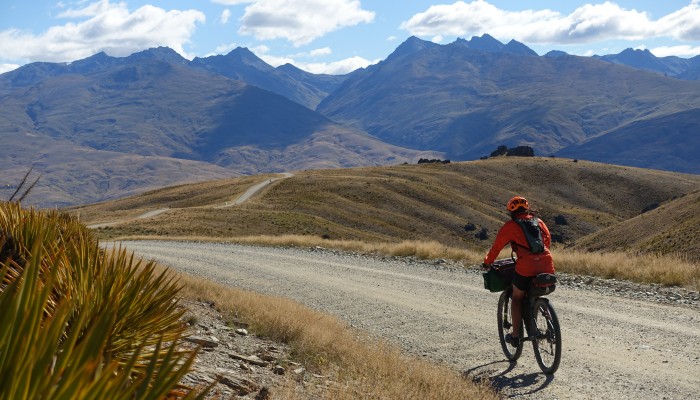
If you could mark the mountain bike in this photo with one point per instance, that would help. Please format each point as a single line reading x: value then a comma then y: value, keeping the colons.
x: 539, y: 319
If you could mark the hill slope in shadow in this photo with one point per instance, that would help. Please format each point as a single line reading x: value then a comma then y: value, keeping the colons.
x: 672, y: 228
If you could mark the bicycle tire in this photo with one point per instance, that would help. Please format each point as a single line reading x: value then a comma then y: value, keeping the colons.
x: 547, y: 336
x: 505, y: 326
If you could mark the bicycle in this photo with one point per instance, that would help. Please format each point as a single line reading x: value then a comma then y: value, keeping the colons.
x: 538, y: 318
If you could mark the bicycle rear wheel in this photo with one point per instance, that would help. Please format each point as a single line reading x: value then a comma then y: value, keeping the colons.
x: 505, y: 326
x: 547, y: 338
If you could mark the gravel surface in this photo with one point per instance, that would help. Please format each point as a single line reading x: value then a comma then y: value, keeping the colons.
x: 620, y: 340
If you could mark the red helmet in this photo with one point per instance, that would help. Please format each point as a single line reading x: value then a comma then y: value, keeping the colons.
x: 516, y: 203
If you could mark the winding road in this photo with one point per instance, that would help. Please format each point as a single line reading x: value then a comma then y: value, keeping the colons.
x: 252, y: 191
x: 613, y: 347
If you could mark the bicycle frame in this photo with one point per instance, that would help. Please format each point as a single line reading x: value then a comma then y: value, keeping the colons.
x: 545, y: 337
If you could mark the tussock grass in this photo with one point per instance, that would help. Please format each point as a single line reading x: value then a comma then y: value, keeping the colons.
x: 360, y: 367
x: 405, y: 248
x: 78, y: 322
x: 426, y: 250
x: 669, y: 270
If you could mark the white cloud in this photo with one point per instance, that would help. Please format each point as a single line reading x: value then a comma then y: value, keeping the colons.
x: 437, y: 39
x: 276, y: 61
x: 678, y: 51
x: 337, y: 67
x: 91, y: 10
x: 683, y: 24
x: 588, y: 23
x: 8, y: 67
x: 223, y: 49
x: 391, y: 38
x: 109, y: 27
x: 232, y: 2
x: 333, y: 68
x: 225, y: 16
x: 324, y: 51
x: 300, y: 21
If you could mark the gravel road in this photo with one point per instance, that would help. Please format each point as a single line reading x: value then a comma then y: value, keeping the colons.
x: 613, y: 347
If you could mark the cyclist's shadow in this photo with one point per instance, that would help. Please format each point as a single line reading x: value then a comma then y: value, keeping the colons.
x: 500, y: 379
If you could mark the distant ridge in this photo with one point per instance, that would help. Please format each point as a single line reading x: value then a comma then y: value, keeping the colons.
x: 155, y: 113
x: 467, y: 98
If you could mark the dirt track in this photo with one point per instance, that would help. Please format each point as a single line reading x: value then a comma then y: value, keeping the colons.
x: 614, y: 348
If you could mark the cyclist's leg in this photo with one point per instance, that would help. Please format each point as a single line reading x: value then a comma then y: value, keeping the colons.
x: 520, y: 284
x: 517, y: 310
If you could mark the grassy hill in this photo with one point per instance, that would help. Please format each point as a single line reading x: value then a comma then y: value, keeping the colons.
x: 449, y: 203
x: 670, y: 228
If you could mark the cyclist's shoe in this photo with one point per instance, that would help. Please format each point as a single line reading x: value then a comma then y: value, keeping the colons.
x: 513, y: 341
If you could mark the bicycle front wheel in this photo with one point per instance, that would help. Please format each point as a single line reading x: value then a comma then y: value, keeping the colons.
x: 505, y: 326
x: 547, y: 340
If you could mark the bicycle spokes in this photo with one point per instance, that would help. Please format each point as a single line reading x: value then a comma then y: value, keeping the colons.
x: 547, y: 343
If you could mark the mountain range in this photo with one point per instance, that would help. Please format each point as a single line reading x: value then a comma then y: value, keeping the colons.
x: 105, y: 127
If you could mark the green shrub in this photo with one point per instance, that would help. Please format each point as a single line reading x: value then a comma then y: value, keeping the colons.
x: 79, y: 322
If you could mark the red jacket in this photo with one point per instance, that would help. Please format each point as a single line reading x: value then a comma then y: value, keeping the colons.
x: 528, y: 264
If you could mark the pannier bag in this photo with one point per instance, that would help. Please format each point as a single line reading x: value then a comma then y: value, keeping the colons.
x: 543, y: 284
x: 500, y: 276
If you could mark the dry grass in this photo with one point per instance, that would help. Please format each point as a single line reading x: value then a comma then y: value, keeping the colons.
x: 663, y: 269
x: 424, y: 211
x: 359, y: 367
x: 406, y: 202
x: 670, y: 228
x: 666, y: 270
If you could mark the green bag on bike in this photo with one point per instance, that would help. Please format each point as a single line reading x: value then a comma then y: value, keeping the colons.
x: 493, y: 281
x: 500, y: 276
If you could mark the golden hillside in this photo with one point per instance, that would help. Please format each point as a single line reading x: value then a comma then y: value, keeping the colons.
x: 670, y: 228
x: 449, y: 203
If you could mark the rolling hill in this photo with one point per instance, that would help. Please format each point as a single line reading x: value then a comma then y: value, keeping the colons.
x: 451, y: 203
x: 671, y: 228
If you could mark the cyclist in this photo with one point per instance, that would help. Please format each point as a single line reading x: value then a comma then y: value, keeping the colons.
x: 533, y: 257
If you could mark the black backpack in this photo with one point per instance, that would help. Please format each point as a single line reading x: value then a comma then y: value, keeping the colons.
x: 533, y: 234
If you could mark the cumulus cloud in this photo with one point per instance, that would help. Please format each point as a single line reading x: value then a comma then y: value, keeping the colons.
x: 232, y: 2
x: 337, y: 67
x: 324, y: 51
x: 300, y: 21
x: 8, y: 67
x: 678, y: 51
x: 588, y: 23
x: 225, y: 16
x: 103, y: 26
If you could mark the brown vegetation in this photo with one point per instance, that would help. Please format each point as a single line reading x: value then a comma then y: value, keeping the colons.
x: 357, y: 366
x: 428, y: 202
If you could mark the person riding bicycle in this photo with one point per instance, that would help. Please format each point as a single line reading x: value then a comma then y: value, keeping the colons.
x: 533, y: 257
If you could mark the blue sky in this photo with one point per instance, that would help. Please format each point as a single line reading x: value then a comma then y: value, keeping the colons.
x: 335, y: 36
